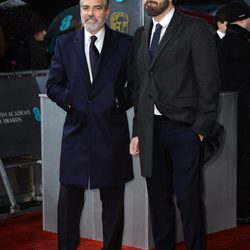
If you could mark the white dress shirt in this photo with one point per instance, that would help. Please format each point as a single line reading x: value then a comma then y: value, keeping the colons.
x: 98, y: 43
x: 220, y: 34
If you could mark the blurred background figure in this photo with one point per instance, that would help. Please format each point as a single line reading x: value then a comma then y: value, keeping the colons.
x: 37, y: 47
x: 221, y: 19
x: 234, y: 49
x: 234, y: 56
x: 32, y: 53
x: 24, y: 49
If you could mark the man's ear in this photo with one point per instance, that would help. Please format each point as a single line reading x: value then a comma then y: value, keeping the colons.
x: 107, y: 12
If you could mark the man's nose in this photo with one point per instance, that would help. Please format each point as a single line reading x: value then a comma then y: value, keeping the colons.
x: 90, y: 12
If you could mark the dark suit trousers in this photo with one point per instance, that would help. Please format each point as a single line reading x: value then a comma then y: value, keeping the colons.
x: 176, y: 168
x: 70, y: 205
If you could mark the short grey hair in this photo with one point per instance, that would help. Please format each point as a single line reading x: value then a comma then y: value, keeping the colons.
x: 106, y: 3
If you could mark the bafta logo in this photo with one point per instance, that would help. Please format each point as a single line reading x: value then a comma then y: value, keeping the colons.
x: 119, y: 21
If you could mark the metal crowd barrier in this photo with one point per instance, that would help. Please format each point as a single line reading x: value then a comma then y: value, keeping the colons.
x: 219, y: 175
x: 20, y: 170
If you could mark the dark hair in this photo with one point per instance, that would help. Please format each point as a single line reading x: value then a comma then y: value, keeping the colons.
x: 222, y: 14
x: 106, y: 3
x: 37, y: 24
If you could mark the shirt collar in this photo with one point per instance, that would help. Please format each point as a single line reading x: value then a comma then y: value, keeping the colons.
x: 220, y: 34
x: 100, y: 36
x: 166, y: 19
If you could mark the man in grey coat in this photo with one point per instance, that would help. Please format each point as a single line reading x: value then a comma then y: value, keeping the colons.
x: 176, y: 98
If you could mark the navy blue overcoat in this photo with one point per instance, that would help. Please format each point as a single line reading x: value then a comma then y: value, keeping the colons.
x: 95, y: 141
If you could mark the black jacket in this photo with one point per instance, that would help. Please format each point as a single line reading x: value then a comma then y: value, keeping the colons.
x: 234, y: 58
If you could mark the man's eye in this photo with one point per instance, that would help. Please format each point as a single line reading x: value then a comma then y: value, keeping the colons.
x: 85, y: 7
x: 98, y: 7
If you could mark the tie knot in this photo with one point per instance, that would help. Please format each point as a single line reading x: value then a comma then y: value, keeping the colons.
x: 93, y: 39
x: 158, y: 26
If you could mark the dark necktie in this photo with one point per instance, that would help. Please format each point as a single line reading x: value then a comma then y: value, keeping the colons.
x: 155, y: 40
x: 93, y: 54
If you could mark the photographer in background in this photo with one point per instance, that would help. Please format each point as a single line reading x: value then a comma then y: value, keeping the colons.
x: 234, y: 57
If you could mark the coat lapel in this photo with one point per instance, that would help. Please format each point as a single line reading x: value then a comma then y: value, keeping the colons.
x: 148, y: 29
x: 108, y: 49
x: 79, y: 50
x: 170, y: 31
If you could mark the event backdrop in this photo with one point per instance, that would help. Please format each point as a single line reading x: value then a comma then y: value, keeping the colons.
x: 19, y: 117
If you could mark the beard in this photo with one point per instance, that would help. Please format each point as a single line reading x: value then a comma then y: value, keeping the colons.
x: 92, y: 26
x: 155, y: 11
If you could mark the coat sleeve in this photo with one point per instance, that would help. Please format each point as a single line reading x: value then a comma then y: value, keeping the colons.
x: 125, y: 95
x: 57, y: 84
x: 206, y: 70
x: 136, y: 94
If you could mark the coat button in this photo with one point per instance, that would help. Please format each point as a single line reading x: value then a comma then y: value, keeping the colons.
x: 89, y: 101
x: 151, y: 73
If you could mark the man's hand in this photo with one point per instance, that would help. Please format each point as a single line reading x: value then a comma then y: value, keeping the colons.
x: 134, y: 146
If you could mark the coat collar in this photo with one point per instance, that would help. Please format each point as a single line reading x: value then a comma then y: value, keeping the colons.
x: 108, y: 48
x: 79, y: 49
x: 171, y: 29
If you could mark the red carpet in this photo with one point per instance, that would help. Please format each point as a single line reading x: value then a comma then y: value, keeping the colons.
x: 25, y: 233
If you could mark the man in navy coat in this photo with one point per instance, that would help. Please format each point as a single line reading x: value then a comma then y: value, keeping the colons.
x: 91, y: 78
